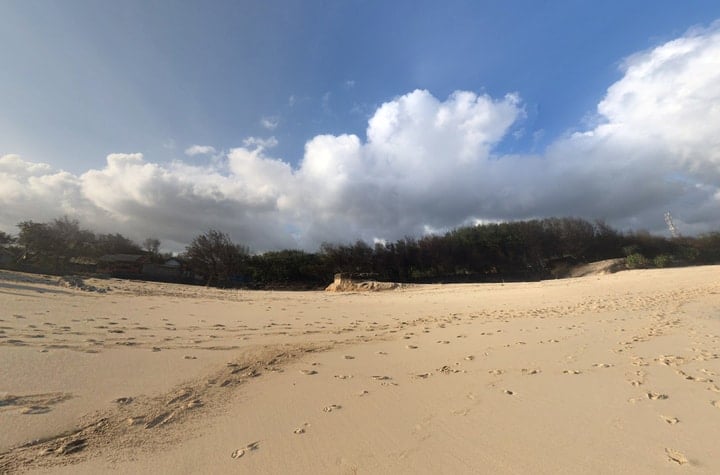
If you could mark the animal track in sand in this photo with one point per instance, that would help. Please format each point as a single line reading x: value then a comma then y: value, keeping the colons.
x: 670, y: 420
x: 332, y: 407
x: 716, y: 404
x: 510, y: 392
x: 603, y: 365
x: 411, y: 347
x: 528, y: 372
x: 496, y: 372
x: 572, y: 371
x: 656, y: 396
x: 308, y: 372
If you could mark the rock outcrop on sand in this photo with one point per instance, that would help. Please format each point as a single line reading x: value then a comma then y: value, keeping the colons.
x: 346, y: 283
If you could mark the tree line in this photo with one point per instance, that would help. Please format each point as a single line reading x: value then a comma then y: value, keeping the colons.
x: 519, y: 250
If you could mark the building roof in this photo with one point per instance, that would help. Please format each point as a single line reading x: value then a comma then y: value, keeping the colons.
x: 130, y: 258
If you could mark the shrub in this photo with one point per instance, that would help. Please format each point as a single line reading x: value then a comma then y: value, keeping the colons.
x: 636, y: 261
x: 663, y: 260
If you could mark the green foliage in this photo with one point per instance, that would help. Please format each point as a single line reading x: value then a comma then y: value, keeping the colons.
x: 663, y: 260
x: 519, y: 250
x: 636, y: 261
x: 51, y: 246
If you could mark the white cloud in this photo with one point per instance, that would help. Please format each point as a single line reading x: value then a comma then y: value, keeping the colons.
x: 260, y: 142
x: 200, y: 150
x: 271, y: 123
x: 427, y: 164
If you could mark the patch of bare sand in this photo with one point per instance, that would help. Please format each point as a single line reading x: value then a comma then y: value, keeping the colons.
x: 614, y: 373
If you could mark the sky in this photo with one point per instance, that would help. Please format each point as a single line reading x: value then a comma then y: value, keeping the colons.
x: 291, y: 123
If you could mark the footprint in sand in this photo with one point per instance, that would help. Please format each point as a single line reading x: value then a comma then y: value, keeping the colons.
x: 670, y: 420
x: 308, y: 372
x: 411, y: 347
x: 602, y: 365
x: 34, y: 410
x: 496, y: 372
x: 530, y: 372
x: 332, y: 407
x: 349, y: 357
x: 133, y: 421
x: 237, y: 453
x: 469, y: 357
x: 123, y: 400
x: 510, y: 392
x: 656, y: 396
x: 301, y: 429
x: 715, y: 404
x: 160, y: 420
x: 675, y: 456
x: 572, y: 371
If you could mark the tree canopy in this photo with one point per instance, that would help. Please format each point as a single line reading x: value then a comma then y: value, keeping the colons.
x: 216, y: 258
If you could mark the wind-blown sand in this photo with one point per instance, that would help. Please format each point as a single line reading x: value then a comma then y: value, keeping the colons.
x: 602, y: 374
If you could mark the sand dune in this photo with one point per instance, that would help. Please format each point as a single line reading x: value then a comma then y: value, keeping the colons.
x: 603, y: 374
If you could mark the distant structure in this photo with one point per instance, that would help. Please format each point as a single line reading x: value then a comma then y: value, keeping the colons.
x: 671, y: 225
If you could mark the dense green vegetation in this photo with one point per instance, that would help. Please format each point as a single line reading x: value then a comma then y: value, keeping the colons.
x: 521, y: 250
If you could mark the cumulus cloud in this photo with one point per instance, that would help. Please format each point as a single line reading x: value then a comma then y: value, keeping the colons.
x: 424, y: 164
x: 200, y: 150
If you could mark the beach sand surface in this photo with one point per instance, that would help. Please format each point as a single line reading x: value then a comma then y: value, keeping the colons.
x: 614, y: 373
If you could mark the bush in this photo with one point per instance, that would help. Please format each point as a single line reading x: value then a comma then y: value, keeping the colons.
x: 636, y: 261
x: 663, y: 260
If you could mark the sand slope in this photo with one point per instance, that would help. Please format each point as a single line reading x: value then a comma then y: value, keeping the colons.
x: 605, y: 374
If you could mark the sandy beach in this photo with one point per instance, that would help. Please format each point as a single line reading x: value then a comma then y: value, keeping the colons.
x: 614, y: 373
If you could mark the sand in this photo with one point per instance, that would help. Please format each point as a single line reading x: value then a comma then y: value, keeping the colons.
x: 601, y: 374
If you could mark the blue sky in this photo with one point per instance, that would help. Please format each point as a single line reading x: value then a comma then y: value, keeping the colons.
x: 82, y: 79
x: 86, y: 78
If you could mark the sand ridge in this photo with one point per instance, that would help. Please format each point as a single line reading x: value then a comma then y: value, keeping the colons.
x: 614, y: 373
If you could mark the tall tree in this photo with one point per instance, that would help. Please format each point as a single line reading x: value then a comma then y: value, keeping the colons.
x: 216, y: 258
x: 152, y: 245
x: 6, y: 239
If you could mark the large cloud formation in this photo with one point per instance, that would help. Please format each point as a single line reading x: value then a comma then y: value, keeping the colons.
x: 424, y: 165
